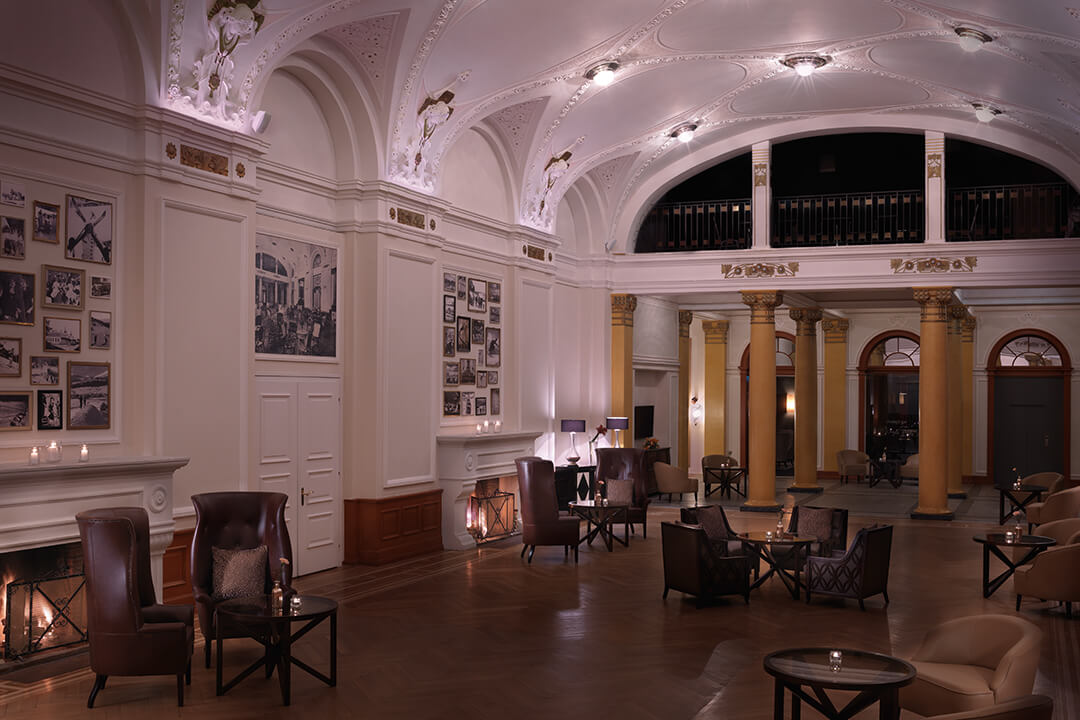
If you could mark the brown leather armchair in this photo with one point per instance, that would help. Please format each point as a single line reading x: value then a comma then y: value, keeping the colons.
x: 129, y: 632
x: 234, y: 521
x: 693, y: 566
x: 541, y: 522
x: 859, y: 573
x: 852, y: 463
x: 623, y: 463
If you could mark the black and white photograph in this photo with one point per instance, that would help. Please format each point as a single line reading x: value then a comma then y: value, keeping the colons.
x: 481, y: 405
x: 12, y: 193
x: 449, y: 283
x: 467, y: 403
x: 493, y: 377
x: 50, y: 409
x: 477, y: 334
x: 90, y: 230
x: 495, y: 314
x: 481, y: 379
x: 451, y: 373
x: 477, y: 295
x: 496, y: 401
x: 448, y: 341
x: 14, y: 410
x: 100, y: 329
x: 468, y: 371
x: 463, y: 344
x: 12, y: 237
x: 493, y: 346
x: 44, y: 370
x: 480, y: 356
x: 451, y: 403
x: 100, y: 286
x: 295, y: 298
x: 62, y: 287
x: 62, y: 334
x: 88, y: 395
x: 494, y: 292
x: 46, y: 222
x: 17, y: 297
x: 449, y: 308
x: 461, y: 287
x: 10, y: 357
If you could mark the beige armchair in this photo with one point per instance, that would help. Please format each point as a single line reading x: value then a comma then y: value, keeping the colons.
x: 1054, y: 574
x: 671, y: 480
x: 1065, y: 531
x: 1060, y: 505
x: 852, y: 463
x: 1032, y: 707
x: 973, y: 662
x: 1052, y: 481
x: 910, y: 468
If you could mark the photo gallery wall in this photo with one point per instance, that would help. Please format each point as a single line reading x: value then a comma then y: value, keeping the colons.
x: 56, y: 308
x: 472, y: 346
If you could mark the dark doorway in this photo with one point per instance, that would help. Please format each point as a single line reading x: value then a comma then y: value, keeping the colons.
x: 889, y: 395
x: 1028, y: 426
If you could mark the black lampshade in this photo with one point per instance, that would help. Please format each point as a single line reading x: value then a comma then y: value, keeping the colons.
x: 573, y: 426
x: 618, y: 423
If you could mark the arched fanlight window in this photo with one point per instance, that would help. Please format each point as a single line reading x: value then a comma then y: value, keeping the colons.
x: 785, y: 352
x: 1029, y: 351
x: 894, y: 351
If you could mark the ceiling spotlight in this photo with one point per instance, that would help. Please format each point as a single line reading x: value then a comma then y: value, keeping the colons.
x: 805, y: 65
x: 985, y: 113
x: 602, y: 73
x: 972, y: 39
x: 684, y: 133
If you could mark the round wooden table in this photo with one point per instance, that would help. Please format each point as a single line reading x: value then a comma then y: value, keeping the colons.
x: 762, y: 546
x: 991, y: 542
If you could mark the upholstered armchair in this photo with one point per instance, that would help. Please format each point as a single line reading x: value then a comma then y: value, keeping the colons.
x: 910, y: 468
x: 692, y: 565
x: 852, y: 463
x: 1030, y: 707
x: 129, y: 633
x: 541, y: 522
x: 859, y: 573
x: 623, y: 463
x: 672, y: 480
x: 1066, y: 531
x: 236, y: 521
x: 713, y: 520
x: 1060, y: 505
x: 829, y: 525
x: 971, y: 663
x: 1052, y: 481
x: 1054, y: 574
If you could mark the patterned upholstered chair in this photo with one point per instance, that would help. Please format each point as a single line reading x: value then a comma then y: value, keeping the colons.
x: 717, y: 528
x: 838, y: 528
x: 859, y: 573
x: 694, y: 567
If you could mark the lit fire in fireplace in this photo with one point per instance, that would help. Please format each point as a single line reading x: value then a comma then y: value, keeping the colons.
x: 490, y: 513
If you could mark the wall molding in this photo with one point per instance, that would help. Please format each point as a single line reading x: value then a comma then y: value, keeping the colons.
x: 382, y: 530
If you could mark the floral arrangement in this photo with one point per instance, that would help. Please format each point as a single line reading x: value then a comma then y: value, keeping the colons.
x: 651, y: 444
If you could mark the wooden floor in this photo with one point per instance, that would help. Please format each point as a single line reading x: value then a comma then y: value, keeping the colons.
x: 481, y: 635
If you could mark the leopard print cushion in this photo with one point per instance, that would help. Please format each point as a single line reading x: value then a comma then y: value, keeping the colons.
x: 816, y: 522
x: 711, y: 518
x: 239, y: 573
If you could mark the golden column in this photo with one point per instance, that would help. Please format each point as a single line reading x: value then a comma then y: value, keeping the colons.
x: 685, y: 318
x: 955, y: 483
x: 806, y: 414
x: 835, y: 392
x: 761, y: 491
x: 933, y: 404
x: 622, y: 357
x: 716, y: 333
x: 967, y: 391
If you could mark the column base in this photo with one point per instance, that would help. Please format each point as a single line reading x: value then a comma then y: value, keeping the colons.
x: 806, y: 489
x: 932, y: 515
x: 959, y: 494
x: 746, y: 507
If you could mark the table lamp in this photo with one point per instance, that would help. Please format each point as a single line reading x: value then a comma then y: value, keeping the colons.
x: 573, y: 427
x: 617, y: 424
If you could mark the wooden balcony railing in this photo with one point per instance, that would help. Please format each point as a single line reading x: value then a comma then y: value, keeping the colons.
x: 1011, y: 212
x: 894, y: 216
x: 713, y: 225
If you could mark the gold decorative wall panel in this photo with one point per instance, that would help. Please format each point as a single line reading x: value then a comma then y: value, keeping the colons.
x: 410, y: 218
x: 760, y: 270
x: 204, y: 160
x: 933, y: 265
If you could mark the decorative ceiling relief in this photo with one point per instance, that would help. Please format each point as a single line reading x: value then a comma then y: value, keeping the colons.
x: 612, y: 171
x: 538, y: 209
x: 367, y: 42
x: 517, y: 121
x: 414, y: 166
x: 933, y: 265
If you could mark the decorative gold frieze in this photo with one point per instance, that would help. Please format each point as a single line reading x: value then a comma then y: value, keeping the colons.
x: 170, y: 151
x: 805, y: 320
x: 761, y: 174
x: 685, y: 318
x: 933, y: 265
x: 760, y: 270
x: 835, y: 329
x: 762, y: 304
x: 716, y: 331
x: 204, y: 160
x: 240, y: 170
x: 393, y: 214
x: 933, y: 165
x: 534, y: 252
x: 622, y: 309
x: 935, y: 303
x: 410, y: 218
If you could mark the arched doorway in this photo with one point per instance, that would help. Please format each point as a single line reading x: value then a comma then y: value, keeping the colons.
x: 785, y: 403
x: 1027, y: 425
x: 889, y: 395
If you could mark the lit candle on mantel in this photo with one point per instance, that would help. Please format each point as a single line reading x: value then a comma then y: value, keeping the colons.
x: 33, y: 456
x: 498, y: 426
x: 84, y: 454
x: 54, y: 452
x: 479, y: 428
x: 487, y: 427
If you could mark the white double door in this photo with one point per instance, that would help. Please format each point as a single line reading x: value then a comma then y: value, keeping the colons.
x: 299, y: 454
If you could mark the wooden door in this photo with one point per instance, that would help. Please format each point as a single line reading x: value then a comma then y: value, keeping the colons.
x: 321, y: 507
x: 1029, y: 427
x: 278, y: 463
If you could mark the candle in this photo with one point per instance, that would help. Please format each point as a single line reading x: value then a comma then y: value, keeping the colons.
x: 498, y: 426
x: 479, y: 428
x: 487, y: 426
x: 54, y: 452
x: 836, y: 659
x: 84, y: 454
x: 33, y: 456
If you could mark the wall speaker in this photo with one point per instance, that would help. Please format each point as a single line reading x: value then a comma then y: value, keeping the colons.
x: 260, y: 121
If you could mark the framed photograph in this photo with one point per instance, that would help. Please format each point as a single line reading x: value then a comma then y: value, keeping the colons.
x: 494, y: 292
x: 17, y: 297
x: 493, y: 346
x: 14, y: 410
x: 450, y: 373
x: 496, y: 401
x: 449, y: 308
x: 89, y: 402
x: 100, y: 329
x: 62, y: 334
x: 12, y: 193
x: 12, y: 238
x: 62, y: 287
x: 463, y: 344
x: 461, y: 287
x: 10, y: 357
x: 50, y: 409
x: 90, y: 230
x: 100, y: 286
x: 44, y: 370
x: 481, y: 379
x: 477, y: 295
x: 449, y: 283
x: 468, y: 371
x: 451, y: 404
x: 295, y: 299
x: 46, y: 222
x: 493, y: 377
x: 481, y: 405
x: 480, y: 356
x: 494, y: 315
x: 477, y: 334
x: 467, y: 403
x: 448, y: 341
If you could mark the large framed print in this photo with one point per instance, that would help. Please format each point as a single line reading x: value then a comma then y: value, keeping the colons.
x: 44, y: 370
x: 17, y: 297
x: 14, y: 410
x: 62, y: 334
x: 62, y: 287
x: 89, y: 226
x: 46, y: 222
x: 50, y: 409
x: 295, y: 299
x: 89, y: 400
x: 11, y: 357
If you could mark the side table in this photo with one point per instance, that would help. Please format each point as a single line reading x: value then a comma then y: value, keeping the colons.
x: 992, y: 542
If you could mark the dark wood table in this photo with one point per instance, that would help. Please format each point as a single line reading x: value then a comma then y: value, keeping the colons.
x: 273, y: 629
x: 601, y: 518
x: 728, y: 478
x: 992, y: 542
x: 885, y: 470
x: 1010, y: 493
x: 877, y: 678
x: 762, y: 547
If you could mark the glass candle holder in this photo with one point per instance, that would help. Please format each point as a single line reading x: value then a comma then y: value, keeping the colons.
x: 34, y: 456
x: 1010, y: 536
x: 1018, y: 531
x: 295, y: 603
x: 836, y: 660
x: 768, y: 534
x: 54, y: 452
x: 84, y: 454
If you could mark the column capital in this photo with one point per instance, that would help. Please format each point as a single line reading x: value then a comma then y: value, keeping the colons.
x: 622, y: 309
x: 957, y: 313
x: 805, y: 320
x: 968, y: 329
x: 935, y: 302
x: 715, y: 331
x: 835, y: 329
x: 762, y: 304
x: 685, y: 318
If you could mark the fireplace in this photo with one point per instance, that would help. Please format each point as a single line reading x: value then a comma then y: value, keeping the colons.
x: 42, y: 600
x: 491, y: 512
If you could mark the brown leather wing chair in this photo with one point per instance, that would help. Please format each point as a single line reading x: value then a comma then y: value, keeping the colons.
x: 620, y: 464
x: 541, y: 522
x: 235, y: 521
x: 126, y: 636
x: 852, y: 463
x: 859, y: 573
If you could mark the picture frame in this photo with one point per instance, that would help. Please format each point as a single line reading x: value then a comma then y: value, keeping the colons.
x: 477, y: 332
x: 100, y: 287
x: 100, y: 330
x: 477, y: 295
x: 11, y: 356
x: 50, y: 409
x: 481, y: 379
x: 481, y: 406
x: 462, y: 287
x: 46, y: 222
x: 296, y: 293
x: 449, y: 283
x: 468, y: 371
x: 44, y: 370
x: 494, y: 292
x: 89, y: 226
x: 467, y: 399
x: 89, y: 395
x: 449, y: 308
x: 61, y: 334
x: 494, y: 315
x: 496, y: 401
x: 493, y: 346
x: 17, y: 297
x: 451, y: 403
x: 493, y: 377
x: 15, y: 410
x: 480, y: 357
x: 463, y: 335
x: 12, y: 192
x: 62, y: 288
x: 449, y: 341
x: 451, y: 373
x: 12, y: 237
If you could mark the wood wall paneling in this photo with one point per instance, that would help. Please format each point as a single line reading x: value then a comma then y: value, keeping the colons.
x: 176, y: 569
x: 383, y: 530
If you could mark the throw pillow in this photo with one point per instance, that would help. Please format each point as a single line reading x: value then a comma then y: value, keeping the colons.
x: 620, y: 492
x: 239, y: 573
x: 816, y: 522
x: 711, y: 518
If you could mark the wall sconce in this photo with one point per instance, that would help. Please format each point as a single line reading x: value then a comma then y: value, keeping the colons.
x: 789, y: 403
x: 696, y: 411
x: 617, y: 424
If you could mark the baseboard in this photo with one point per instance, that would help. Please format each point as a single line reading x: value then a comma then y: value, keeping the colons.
x: 384, y: 530
x: 828, y: 475
x: 976, y: 480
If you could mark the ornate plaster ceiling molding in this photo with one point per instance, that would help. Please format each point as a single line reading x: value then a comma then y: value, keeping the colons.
x: 176, y: 36
x: 759, y: 270
x: 516, y: 124
x: 933, y: 264
x: 611, y: 172
x: 368, y: 42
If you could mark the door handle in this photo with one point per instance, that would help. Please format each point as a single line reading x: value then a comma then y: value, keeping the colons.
x: 1046, y: 441
x: 304, y: 493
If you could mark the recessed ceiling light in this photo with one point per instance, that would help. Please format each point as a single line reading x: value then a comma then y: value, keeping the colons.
x: 972, y: 39
x: 684, y: 133
x: 602, y: 73
x: 985, y: 113
x: 805, y: 64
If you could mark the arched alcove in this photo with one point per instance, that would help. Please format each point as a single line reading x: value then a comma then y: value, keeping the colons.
x: 889, y: 395
x: 475, y: 177
x: 299, y: 134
